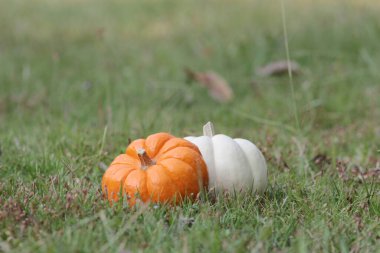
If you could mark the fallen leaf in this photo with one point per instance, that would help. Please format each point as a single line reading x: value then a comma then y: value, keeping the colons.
x: 369, y: 174
x: 218, y: 88
x: 279, y: 68
x: 357, y: 172
x: 373, y: 173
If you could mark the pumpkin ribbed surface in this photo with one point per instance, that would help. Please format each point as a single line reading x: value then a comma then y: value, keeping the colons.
x: 161, y: 168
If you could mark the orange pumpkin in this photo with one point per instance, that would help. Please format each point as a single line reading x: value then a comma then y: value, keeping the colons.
x: 161, y: 168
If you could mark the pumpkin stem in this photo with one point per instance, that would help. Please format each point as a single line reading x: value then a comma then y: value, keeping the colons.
x: 144, y: 159
x: 208, y: 129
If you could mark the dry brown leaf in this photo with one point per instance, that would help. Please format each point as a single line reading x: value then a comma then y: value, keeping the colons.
x: 218, y: 88
x: 373, y: 174
x: 279, y: 68
x: 356, y: 172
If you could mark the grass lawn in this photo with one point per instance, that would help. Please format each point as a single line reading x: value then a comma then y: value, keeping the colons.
x: 79, y: 78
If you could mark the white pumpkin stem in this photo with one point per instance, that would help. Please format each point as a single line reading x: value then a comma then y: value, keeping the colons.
x: 144, y: 159
x: 208, y: 129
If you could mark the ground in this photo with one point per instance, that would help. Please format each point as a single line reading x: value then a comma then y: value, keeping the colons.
x: 80, y: 78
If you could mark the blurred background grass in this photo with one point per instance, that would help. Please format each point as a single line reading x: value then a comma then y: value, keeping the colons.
x: 77, y: 66
x: 70, y: 68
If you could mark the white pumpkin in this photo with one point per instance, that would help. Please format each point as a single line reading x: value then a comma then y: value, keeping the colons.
x: 233, y: 164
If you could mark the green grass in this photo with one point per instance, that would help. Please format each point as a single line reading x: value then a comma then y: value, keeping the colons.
x: 71, y: 69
